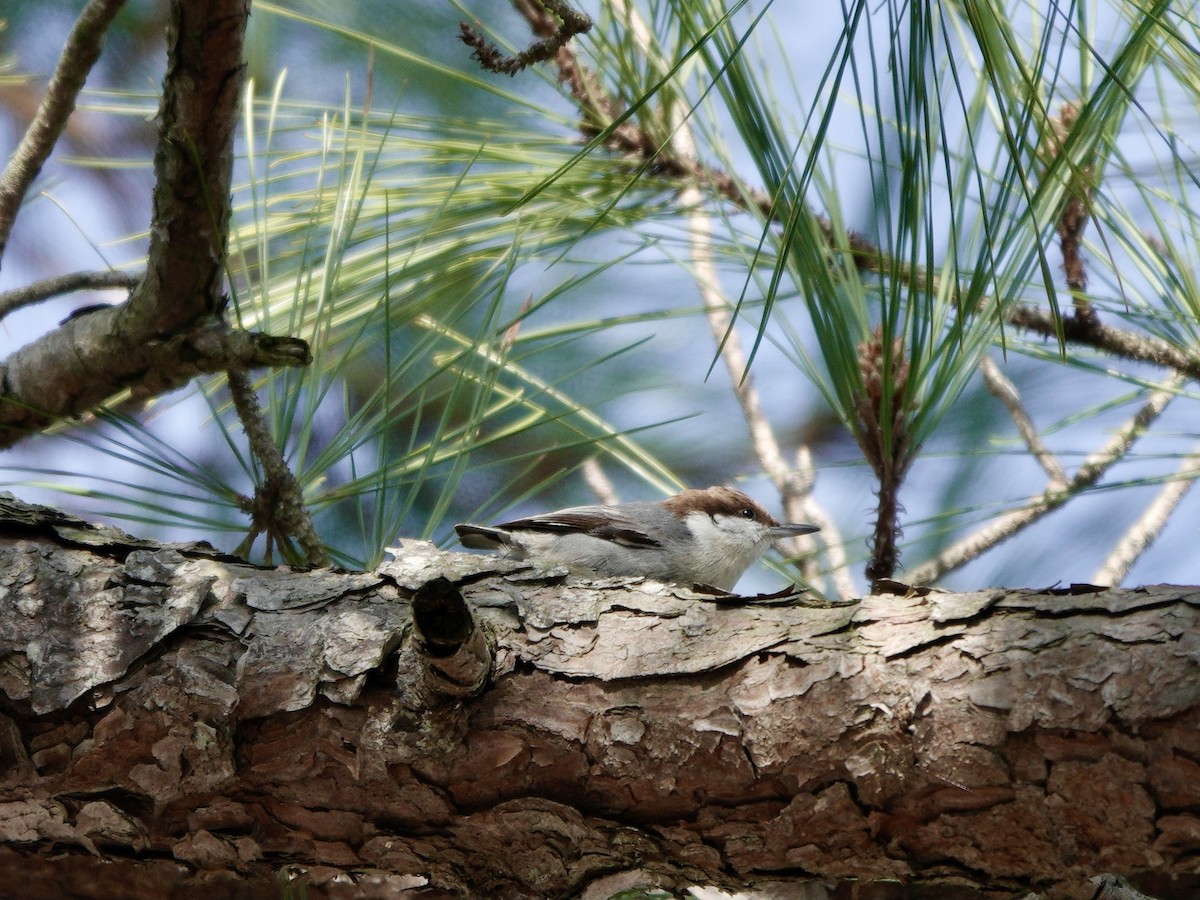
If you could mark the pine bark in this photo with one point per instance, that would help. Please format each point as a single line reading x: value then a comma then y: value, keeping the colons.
x: 177, y: 723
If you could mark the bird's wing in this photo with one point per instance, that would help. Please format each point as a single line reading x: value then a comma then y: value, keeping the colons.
x: 482, y: 537
x: 596, y: 521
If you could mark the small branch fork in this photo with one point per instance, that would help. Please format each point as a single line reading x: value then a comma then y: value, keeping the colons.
x: 172, y: 327
x: 1056, y: 492
x: 677, y: 159
x: 1082, y: 326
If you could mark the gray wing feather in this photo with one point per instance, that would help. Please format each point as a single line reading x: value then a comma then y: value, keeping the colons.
x: 601, y: 522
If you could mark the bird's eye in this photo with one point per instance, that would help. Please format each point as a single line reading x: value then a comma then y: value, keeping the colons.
x: 747, y: 513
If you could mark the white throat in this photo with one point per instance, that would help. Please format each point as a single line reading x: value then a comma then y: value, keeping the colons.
x: 725, y: 547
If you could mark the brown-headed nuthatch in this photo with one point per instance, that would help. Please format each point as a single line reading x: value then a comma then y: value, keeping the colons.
x: 705, y: 537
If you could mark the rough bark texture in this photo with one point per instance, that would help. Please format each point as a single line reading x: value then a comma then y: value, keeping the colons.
x: 178, y: 724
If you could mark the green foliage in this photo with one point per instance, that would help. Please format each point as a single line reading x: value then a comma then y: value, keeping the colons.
x: 877, y: 220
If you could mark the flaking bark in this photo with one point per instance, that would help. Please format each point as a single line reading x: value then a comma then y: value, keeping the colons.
x: 178, y: 723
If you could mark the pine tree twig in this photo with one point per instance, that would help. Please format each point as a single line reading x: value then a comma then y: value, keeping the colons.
x: 1115, y: 341
x: 80, y: 53
x: 1091, y: 471
x: 1073, y: 217
x: 600, y: 111
x: 565, y: 24
x: 1149, y: 525
x: 10, y: 301
x: 277, y: 508
x: 151, y: 368
x: 1000, y: 387
x: 209, y: 349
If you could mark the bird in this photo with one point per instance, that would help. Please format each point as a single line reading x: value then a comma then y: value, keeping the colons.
x: 700, y: 536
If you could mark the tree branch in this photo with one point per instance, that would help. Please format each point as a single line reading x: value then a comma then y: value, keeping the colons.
x: 193, y: 168
x: 1054, y: 495
x: 79, y: 55
x: 1114, y: 341
x: 91, y: 358
x: 10, y: 301
x: 568, y: 22
x: 277, y: 508
x: 168, y: 706
x: 599, y: 112
x: 1149, y: 524
x: 146, y: 370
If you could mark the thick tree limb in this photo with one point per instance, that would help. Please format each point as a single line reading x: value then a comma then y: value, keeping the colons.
x: 146, y: 370
x: 195, y: 723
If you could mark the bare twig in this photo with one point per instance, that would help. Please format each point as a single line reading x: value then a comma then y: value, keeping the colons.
x: 570, y: 22
x: 65, y: 284
x: 1073, y: 217
x: 595, y: 478
x: 1092, y: 470
x: 277, y: 508
x: 1149, y: 525
x: 1005, y: 391
x: 79, y: 55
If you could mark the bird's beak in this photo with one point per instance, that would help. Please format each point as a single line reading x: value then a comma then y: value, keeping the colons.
x: 792, y: 530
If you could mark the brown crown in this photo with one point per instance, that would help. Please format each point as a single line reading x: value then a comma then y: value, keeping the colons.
x: 717, y: 499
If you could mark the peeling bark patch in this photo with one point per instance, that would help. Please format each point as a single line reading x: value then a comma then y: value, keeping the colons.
x: 80, y: 622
